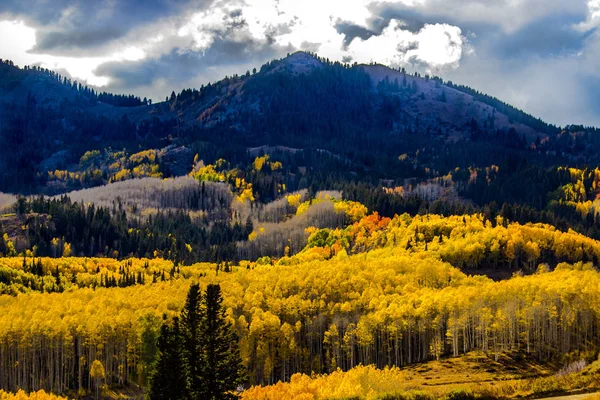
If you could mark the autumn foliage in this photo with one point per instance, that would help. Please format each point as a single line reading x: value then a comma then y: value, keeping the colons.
x: 382, y: 292
x: 21, y: 395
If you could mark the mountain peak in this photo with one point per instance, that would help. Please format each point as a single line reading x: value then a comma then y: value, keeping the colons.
x: 299, y: 62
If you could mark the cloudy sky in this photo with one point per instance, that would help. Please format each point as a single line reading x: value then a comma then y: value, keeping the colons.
x: 540, y: 55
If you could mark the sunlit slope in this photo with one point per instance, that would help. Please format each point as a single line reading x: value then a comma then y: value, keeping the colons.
x: 319, y: 310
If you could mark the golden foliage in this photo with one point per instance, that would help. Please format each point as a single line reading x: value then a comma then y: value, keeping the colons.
x: 366, y: 382
x: 21, y: 395
x: 97, y: 370
x: 583, y: 193
x: 115, y: 165
x: 294, y: 199
x: 246, y: 194
x: 384, y: 293
x: 260, y: 162
x: 148, y: 156
x: 207, y: 173
x: 465, y: 241
x: 219, y: 173
x: 323, y: 308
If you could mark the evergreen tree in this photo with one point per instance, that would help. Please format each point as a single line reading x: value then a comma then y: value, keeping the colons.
x: 168, y: 381
x: 222, y: 367
x: 191, y: 317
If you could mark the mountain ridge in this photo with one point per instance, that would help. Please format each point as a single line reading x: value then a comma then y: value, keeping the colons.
x: 370, y: 116
x: 460, y: 104
x: 299, y: 63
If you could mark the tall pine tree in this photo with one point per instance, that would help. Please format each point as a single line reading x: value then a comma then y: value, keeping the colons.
x: 169, y: 379
x: 191, y: 317
x: 222, y: 367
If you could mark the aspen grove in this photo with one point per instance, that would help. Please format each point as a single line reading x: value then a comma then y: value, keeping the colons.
x: 382, y: 291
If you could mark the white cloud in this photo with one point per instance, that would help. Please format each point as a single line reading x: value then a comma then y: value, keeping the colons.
x: 435, y: 45
x: 284, y: 22
x: 593, y: 17
x: 17, y: 39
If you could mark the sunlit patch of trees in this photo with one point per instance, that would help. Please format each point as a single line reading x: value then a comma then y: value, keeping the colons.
x: 370, y: 383
x: 322, y: 309
x: 96, y: 168
x: 383, y: 310
x: 292, y: 220
x: 364, y: 382
x: 469, y: 241
x: 21, y: 395
x: 262, y: 180
x: 48, y: 275
x: 581, y: 194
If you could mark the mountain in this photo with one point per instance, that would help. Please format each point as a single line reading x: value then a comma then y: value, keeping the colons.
x: 329, y: 123
x: 431, y: 102
x: 437, y: 103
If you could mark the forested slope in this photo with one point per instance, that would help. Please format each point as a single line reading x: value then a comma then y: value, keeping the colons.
x: 333, y: 119
x: 388, y: 304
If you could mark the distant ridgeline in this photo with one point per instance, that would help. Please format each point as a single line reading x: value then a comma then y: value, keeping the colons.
x: 512, y: 112
x: 50, y: 121
x: 84, y: 91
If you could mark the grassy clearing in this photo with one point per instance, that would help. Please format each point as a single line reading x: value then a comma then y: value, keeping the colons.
x: 475, y: 367
x: 473, y: 376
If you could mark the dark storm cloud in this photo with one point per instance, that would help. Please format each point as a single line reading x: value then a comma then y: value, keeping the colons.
x: 352, y: 31
x: 550, y: 36
x: 183, y: 66
x: 408, y: 21
x: 411, y: 19
x: 70, y: 27
x: 36, y: 12
x: 79, y: 39
x: 132, y: 74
